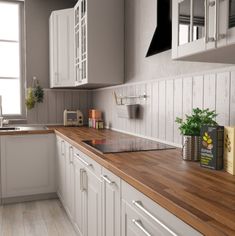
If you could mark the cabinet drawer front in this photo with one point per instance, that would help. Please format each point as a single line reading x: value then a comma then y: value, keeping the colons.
x: 136, y: 224
x: 154, y: 213
x: 92, y: 165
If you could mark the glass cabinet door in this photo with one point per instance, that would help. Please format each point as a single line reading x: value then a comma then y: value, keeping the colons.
x: 191, y: 21
x: 231, y: 13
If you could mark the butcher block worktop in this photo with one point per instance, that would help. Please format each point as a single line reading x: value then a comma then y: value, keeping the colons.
x: 203, y: 198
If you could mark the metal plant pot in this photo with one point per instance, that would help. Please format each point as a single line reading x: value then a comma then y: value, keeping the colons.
x: 191, y: 148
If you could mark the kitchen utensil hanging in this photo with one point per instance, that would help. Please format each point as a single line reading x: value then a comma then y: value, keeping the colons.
x: 125, y: 110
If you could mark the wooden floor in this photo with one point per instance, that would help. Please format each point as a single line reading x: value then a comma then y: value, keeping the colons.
x: 40, y: 218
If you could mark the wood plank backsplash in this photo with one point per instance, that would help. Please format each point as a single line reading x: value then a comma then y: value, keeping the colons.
x: 55, y: 101
x: 169, y: 98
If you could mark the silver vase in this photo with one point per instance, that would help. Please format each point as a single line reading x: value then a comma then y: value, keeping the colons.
x: 191, y: 148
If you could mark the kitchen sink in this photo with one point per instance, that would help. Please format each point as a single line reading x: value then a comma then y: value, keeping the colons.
x: 22, y: 128
x: 8, y: 128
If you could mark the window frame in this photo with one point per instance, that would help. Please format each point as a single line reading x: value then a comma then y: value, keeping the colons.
x: 22, y: 80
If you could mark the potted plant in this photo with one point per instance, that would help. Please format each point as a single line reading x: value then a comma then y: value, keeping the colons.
x: 190, y: 129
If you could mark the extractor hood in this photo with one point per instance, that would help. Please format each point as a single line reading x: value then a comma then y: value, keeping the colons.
x: 162, y: 37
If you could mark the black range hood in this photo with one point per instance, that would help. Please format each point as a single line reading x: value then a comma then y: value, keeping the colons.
x: 162, y: 37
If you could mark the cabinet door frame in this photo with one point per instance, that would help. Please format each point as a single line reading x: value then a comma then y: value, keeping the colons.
x: 111, y: 186
x: 62, y: 26
x: 193, y: 47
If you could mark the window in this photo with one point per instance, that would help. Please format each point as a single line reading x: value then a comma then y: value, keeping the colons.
x: 11, y: 72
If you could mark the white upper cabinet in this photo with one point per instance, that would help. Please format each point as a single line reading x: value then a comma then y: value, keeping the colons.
x: 203, y: 30
x: 99, y: 43
x: 62, y: 72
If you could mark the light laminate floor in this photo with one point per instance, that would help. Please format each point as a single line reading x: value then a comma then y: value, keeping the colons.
x: 39, y: 218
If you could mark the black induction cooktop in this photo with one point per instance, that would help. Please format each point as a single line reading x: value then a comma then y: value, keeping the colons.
x: 126, y: 145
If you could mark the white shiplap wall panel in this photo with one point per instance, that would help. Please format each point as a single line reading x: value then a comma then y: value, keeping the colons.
x: 198, y: 93
x: 162, y: 110
x: 170, y: 110
x: 232, y: 99
x: 59, y: 106
x: 52, y: 107
x: 209, y: 91
x: 187, y: 95
x: 223, y: 98
x: 149, y: 119
x: 178, y: 107
x: 155, y: 109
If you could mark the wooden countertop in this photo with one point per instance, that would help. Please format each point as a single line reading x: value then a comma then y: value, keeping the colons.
x: 203, y: 198
x: 26, y: 132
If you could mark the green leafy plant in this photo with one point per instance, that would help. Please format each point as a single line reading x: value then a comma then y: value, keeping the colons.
x: 193, y: 123
x: 35, y: 95
x: 38, y: 93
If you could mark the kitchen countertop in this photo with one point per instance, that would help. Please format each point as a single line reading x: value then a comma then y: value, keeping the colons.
x: 203, y: 198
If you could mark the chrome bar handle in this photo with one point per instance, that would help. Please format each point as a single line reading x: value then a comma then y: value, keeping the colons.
x: 83, y: 186
x: 106, y: 179
x: 141, y: 227
x: 83, y: 161
x: 70, y: 156
x: 139, y: 205
x: 210, y: 4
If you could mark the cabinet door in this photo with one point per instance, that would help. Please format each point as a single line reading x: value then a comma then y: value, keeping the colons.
x: 111, y: 198
x: 80, y: 198
x: 62, y: 48
x: 94, y: 191
x: 61, y: 169
x: 77, y: 14
x: 27, y: 165
x: 227, y: 9
x: 190, y: 27
x: 69, y: 181
x: 81, y: 42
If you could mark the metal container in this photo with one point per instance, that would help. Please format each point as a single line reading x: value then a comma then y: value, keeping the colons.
x: 130, y: 111
x: 191, y: 148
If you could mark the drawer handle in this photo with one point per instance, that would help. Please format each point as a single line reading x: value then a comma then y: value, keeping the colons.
x: 141, y: 227
x: 139, y: 205
x: 83, y: 186
x: 83, y: 161
x: 106, y: 179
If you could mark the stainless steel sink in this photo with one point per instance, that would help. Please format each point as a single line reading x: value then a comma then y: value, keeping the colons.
x: 29, y: 128
x: 8, y: 128
x: 22, y: 128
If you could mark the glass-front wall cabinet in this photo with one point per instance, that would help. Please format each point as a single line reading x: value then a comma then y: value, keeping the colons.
x: 231, y: 13
x: 200, y: 26
x: 81, y: 41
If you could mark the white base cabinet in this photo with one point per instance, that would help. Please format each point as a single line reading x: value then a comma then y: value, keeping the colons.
x: 27, y: 165
x: 100, y: 204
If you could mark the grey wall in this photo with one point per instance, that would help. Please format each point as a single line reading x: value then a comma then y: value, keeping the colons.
x: 140, y: 23
x: 37, y: 14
